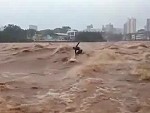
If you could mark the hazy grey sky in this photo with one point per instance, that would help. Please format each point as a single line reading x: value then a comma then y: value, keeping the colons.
x: 75, y: 13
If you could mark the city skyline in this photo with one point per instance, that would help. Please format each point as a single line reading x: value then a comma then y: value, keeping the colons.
x: 130, y: 26
x: 100, y: 27
x: 75, y: 13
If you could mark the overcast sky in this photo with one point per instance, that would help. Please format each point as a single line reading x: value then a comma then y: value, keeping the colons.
x: 75, y: 13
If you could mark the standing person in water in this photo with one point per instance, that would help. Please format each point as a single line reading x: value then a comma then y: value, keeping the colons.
x: 77, y: 49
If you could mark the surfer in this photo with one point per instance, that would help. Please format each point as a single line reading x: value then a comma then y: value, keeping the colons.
x: 77, y: 49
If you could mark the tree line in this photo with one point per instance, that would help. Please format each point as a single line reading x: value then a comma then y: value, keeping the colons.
x: 89, y: 37
x: 14, y: 33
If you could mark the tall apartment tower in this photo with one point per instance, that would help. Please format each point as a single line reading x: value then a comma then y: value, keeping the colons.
x: 130, y: 26
x: 125, y: 28
x: 148, y: 25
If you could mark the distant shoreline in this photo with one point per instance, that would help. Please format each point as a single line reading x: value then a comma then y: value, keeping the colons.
x: 43, y: 42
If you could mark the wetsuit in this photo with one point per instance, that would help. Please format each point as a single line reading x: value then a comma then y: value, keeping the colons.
x: 77, y: 49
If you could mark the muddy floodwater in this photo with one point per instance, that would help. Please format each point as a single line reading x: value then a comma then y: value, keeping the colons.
x: 48, y: 78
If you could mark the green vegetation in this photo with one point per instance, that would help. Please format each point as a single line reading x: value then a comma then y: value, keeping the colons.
x: 13, y: 33
x: 62, y: 30
x: 89, y: 37
x: 47, y: 32
x: 114, y: 37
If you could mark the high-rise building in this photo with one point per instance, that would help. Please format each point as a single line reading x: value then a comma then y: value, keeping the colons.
x: 89, y: 27
x: 148, y: 25
x: 109, y: 28
x: 125, y: 28
x: 130, y: 26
